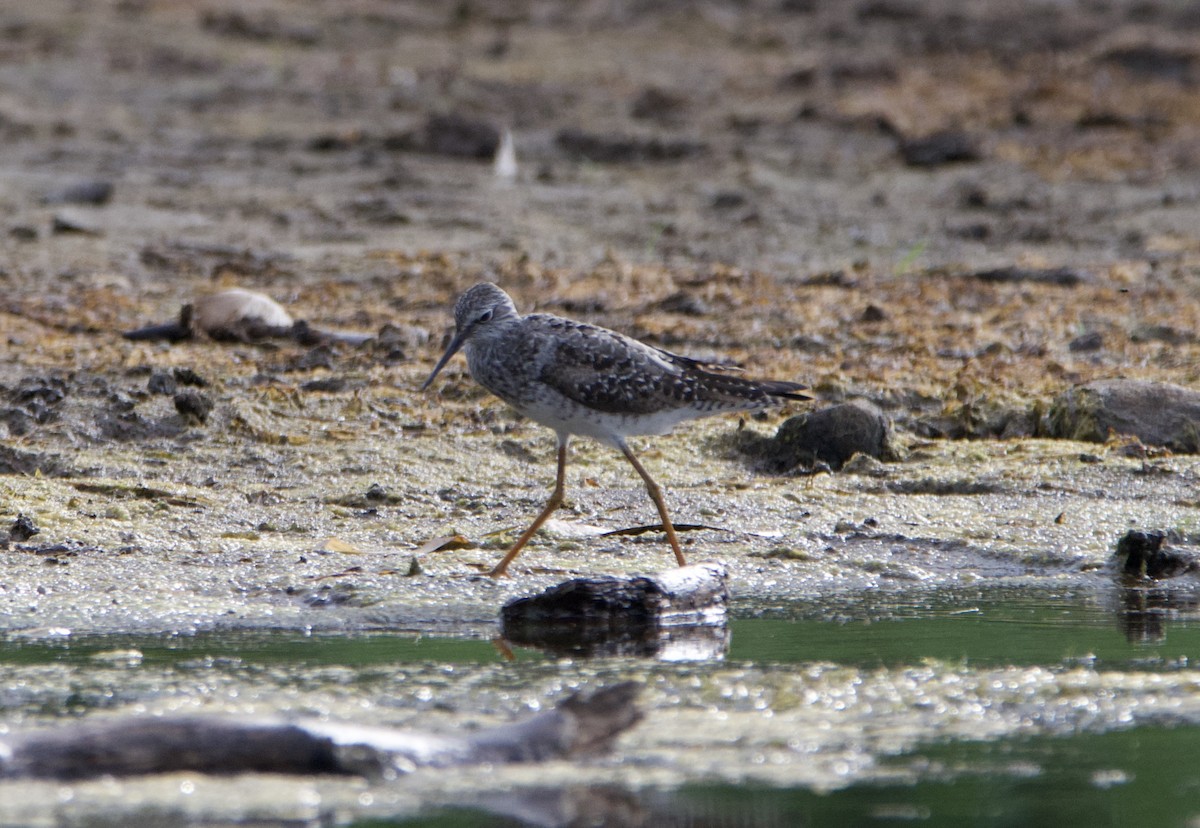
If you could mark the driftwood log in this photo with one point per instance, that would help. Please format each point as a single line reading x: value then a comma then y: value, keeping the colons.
x: 675, y: 614
x: 580, y: 725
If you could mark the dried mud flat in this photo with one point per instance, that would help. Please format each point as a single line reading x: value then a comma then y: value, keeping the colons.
x: 955, y: 210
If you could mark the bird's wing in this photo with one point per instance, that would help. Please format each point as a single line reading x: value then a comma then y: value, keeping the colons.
x: 605, y: 371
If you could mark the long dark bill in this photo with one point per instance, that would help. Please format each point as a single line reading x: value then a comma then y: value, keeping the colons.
x: 451, y: 350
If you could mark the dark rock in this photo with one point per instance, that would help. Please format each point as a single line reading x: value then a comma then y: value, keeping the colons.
x: 891, y: 10
x: 95, y: 192
x: 728, y: 200
x: 1157, y: 413
x: 15, y: 461
x: 1155, y: 62
x: 393, y: 343
x: 948, y: 146
x: 334, y: 141
x: 193, y: 406
x: 1064, y: 276
x: 459, y: 137
x: 1152, y: 332
x: 687, y: 304
x: 23, y: 529
x: 655, y: 104
x: 1090, y: 341
x: 873, y: 313
x: 1142, y: 556
x: 618, y: 149
x: 833, y: 435
x: 329, y: 385
x: 161, y: 382
x: 187, y: 376
x: 23, y: 232
x: 263, y: 28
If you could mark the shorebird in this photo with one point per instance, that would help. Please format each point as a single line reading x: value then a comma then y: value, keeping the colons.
x: 583, y: 379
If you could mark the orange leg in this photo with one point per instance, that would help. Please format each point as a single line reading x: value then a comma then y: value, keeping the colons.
x: 556, y: 499
x: 656, y: 496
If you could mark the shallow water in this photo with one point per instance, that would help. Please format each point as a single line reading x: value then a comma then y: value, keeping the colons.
x: 994, y: 707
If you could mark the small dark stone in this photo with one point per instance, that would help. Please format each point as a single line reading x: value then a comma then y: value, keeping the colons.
x: 1154, y: 62
x: 318, y: 357
x: 193, y: 406
x: 656, y: 104
x: 1063, y: 276
x: 833, y: 435
x: 728, y: 200
x: 22, y: 529
x: 1090, y: 341
x: 1154, y: 332
x: 330, y: 385
x: 95, y: 192
x: 618, y: 149
x: 688, y: 304
x: 971, y: 230
x: 459, y: 136
x: 376, y: 492
x: 873, y: 313
x: 161, y: 382
x: 947, y: 146
x: 890, y: 10
x: 23, y: 232
x: 186, y: 376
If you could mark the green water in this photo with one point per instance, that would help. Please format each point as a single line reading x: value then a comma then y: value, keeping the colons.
x: 1107, y: 773
x: 1017, y: 627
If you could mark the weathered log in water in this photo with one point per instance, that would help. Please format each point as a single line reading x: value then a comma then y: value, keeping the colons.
x: 677, y: 614
x: 580, y: 725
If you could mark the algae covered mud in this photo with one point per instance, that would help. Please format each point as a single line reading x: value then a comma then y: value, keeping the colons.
x: 966, y: 213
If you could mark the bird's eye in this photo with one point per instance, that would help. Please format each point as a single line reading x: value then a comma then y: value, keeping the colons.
x: 486, y: 316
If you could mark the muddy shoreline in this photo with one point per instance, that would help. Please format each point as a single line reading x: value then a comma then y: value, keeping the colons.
x: 956, y: 211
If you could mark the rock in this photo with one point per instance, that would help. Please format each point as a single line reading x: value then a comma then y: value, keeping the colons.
x: 193, y: 406
x: 96, y: 191
x: 1065, y: 276
x: 162, y: 382
x: 22, y: 529
x: 1152, y: 61
x: 1141, y: 556
x: 943, y: 147
x: 1157, y: 413
x: 459, y: 136
x: 833, y: 435
x: 654, y: 104
x: 188, y: 376
x: 1091, y: 341
x: 618, y: 149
